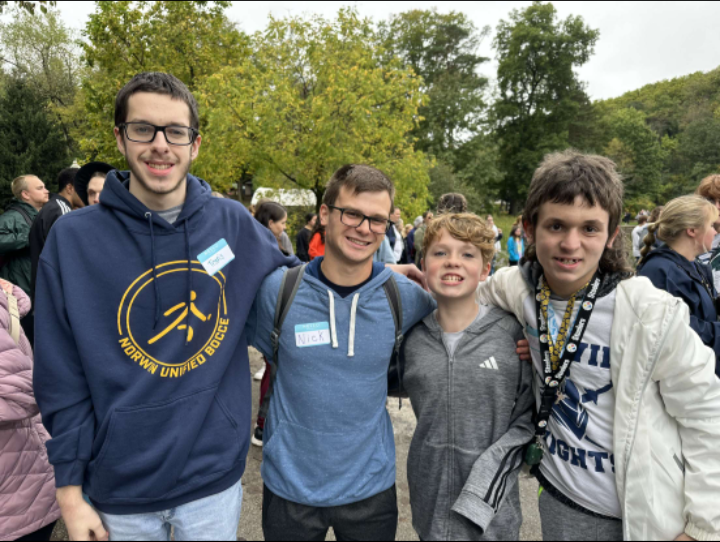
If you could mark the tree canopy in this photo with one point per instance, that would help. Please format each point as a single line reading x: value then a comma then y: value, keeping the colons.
x: 315, y: 95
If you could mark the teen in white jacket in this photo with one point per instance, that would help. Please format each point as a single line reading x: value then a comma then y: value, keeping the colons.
x: 667, y: 411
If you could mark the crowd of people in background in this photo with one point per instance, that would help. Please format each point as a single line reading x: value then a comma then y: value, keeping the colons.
x: 136, y: 355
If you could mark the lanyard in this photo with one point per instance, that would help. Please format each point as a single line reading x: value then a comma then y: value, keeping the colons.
x: 557, y: 355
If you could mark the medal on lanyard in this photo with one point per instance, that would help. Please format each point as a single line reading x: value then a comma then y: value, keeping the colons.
x: 558, y: 353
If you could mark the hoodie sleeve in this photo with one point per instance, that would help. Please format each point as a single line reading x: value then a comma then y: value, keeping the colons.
x: 495, y: 473
x: 416, y: 302
x: 61, y: 388
x: 690, y: 390
x: 261, y: 322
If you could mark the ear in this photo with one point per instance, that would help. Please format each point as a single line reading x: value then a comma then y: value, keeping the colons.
x: 611, y: 241
x: 120, y: 139
x: 324, y: 215
x: 691, y: 232
x: 529, y: 232
x: 195, y: 148
x: 486, y: 272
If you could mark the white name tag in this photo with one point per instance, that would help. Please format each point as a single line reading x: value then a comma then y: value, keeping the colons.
x: 308, y: 335
x: 216, y: 257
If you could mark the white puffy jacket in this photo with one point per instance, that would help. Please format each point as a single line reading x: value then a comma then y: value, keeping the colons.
x: 667, y: 412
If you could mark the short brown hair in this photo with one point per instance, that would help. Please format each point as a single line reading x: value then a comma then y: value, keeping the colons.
x: 562, y: 178
x: 452, y: 203
x: 358, y: 179
x: 464, y: 227
x: 709, y: 188
x: 19, y: 185
x: 156, y: 83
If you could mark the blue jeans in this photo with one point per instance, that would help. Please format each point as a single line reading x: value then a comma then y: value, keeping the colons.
x: 212, y: 518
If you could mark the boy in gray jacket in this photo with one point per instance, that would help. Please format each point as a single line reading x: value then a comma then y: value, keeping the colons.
x: 470, y: 392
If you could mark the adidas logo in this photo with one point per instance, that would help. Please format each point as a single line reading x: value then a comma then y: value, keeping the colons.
x: 490, y: 364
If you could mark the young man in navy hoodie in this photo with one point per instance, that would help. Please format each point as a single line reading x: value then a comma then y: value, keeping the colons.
x: 329, y: 458
x: 141, y: 367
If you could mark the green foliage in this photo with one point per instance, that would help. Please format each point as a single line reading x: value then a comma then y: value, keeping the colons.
x: 191, y: 40
x: 28, y: 6
x: 315, y: 95
x: 539, y: 94
x: 31, y: 142
x: 637, y: 151
x: 443, y: 50
x: 41, y: 50
x: 681, y: 116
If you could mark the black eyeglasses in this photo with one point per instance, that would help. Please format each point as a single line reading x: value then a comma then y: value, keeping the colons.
x: 355, y: 219
x: 143, y: 132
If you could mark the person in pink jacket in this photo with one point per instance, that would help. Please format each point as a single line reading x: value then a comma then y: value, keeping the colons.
x: 28, y: 510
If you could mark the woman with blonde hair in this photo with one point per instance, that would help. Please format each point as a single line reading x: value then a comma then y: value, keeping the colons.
x: 686, y: 228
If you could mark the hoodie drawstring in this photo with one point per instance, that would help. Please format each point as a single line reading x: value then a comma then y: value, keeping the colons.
x: 158, y: 298
x: 190, y: 280
x: 353, y: 317
x: 333, y: 328
x: 353, y: 322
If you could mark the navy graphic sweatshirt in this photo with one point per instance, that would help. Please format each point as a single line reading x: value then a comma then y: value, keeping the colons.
x: 141, y: 368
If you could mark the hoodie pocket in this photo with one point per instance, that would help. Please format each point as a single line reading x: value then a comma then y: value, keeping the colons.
x: 327, y: 469
x: 161, y: 451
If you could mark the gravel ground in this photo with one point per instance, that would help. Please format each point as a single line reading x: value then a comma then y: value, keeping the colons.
x: 404, y: 423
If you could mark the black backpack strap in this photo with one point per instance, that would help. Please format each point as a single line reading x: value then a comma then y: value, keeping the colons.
x: 24, y: 214
x: 288, y: 290
x: 395, y: 370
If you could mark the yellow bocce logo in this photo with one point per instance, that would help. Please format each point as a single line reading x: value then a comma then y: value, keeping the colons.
x: 187, y: 336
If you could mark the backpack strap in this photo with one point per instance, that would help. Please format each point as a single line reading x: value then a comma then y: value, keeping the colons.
x: 395, y: 375
x: 288, y: 290
x: 14, y: 329
x: 24, y: 214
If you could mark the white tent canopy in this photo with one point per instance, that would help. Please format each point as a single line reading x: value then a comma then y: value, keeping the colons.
x: 286, y: 198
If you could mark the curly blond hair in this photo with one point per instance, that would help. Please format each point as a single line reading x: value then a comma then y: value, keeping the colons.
x: 464, y: 227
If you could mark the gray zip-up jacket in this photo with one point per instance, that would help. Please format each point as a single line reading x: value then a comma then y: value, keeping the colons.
x: 474, y: 413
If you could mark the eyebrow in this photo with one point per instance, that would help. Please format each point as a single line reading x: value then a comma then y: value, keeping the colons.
x: 379, y: 217
x: 163, y: 125
x: 596, y: 223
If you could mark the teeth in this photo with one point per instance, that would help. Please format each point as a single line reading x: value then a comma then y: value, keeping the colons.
x: 357, y: 242
x: 160, y: 166
x: 452, y: 278
x: 568, y: 262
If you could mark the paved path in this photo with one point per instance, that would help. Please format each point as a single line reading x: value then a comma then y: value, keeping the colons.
x: 404, y: 424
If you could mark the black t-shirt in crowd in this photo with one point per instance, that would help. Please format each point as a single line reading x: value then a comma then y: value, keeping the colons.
x: 302, y: 242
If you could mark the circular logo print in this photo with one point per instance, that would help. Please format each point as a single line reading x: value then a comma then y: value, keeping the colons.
x: 191, y: 327
x: 543, y: 424
x: 554, y: 384
x: 588, y: 305
x: 544, y: 339
x: 572, y: 348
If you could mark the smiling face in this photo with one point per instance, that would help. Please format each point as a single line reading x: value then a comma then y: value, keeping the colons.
x: 454, y: 268
x: 348, y: 245
x: 158, y: 169
x: 570, y: 241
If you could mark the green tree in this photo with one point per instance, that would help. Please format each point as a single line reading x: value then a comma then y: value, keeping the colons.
x: 31, y: 142
x: 443, y: 50
x: 41, y: 50
x: 191, y: 40
x: 28, y: 6
x: 539, y: 92
x: 315, y: 95
x: 638, y: 152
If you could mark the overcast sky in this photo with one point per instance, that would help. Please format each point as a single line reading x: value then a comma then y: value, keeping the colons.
x: 640, y: 42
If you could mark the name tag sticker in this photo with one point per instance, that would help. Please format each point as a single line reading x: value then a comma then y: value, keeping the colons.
x: 216, y: 257
x: 308, y: 335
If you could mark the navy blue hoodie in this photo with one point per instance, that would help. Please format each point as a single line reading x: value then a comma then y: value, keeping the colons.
x: 693, y: 283
x: 141, y: 368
